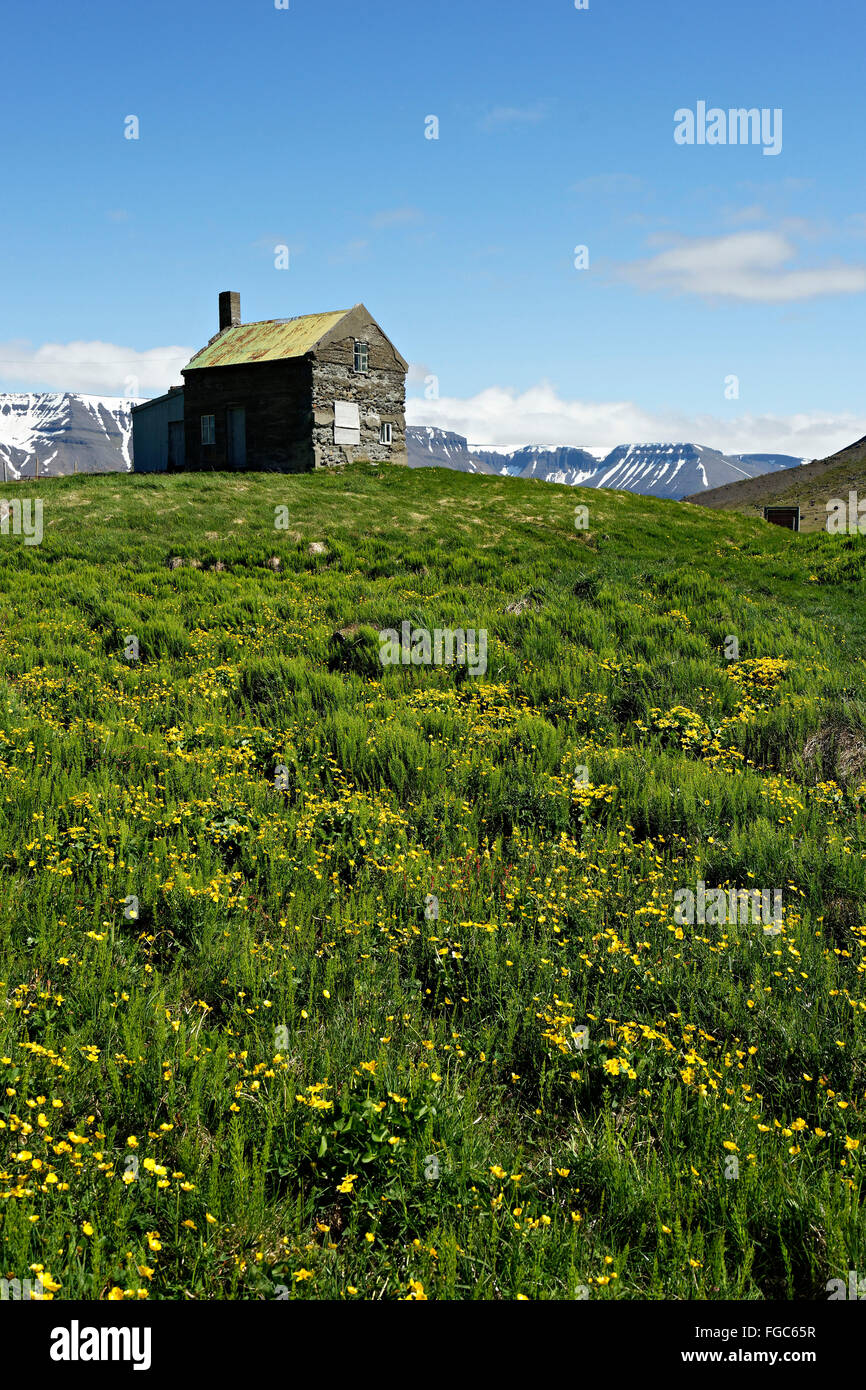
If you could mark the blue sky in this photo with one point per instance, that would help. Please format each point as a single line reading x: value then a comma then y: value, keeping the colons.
x: 305, y: 127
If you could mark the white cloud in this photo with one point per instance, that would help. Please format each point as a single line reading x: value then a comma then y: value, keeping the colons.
x: 611, y: 185
x: 269, y: 245
x: 350, y: 252
x: 504, y: 418
x: 737, y: 216
x: 502, y: 116
x: 396, y: 217
x: 418, y: 372
x: 95, y: 368
x: 746, y: 266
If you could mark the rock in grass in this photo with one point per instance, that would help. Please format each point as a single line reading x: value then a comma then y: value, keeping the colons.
x: 520, y: 605
x: 355, y: 648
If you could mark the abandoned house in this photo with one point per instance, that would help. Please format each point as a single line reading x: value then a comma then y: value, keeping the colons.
x: 284, y: 395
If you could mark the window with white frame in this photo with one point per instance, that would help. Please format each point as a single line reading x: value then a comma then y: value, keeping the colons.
x: 208, y: 433
x: 386, y: 432
x: 362, y: 356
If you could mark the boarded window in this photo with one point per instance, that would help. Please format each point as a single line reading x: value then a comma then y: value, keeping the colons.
x: 783, y: 516
x: 347, y: 422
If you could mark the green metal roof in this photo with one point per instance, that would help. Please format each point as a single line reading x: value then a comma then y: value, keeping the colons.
x: 268, y: 341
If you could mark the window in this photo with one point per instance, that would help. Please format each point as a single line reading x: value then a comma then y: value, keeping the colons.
x: 208, y: 433
x: 386, y: 430
x: 347, y: 422
x: 362, y: 356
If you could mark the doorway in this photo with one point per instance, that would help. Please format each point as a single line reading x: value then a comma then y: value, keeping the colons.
x: 175, y: 444
x: 237, y: 436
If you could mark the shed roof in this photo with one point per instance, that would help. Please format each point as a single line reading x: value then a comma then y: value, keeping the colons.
x: 271, y: 340
x: 169, y: 395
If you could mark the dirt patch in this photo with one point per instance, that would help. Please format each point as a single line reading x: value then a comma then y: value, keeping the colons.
x: 839, y: 752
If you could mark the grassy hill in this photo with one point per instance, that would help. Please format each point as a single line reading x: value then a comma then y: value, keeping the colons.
x: 810, y: 487
x: 329, y: 980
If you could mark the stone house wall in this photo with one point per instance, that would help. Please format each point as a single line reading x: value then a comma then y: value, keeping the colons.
x: 380, y: 394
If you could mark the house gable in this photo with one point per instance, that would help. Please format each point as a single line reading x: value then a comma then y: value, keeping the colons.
x: 359, y: 324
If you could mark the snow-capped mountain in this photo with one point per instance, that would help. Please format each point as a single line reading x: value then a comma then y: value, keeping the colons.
x: 771, y: 463
x: 562, y: 464
x: 432, y: 448
x: 667, y: 470
x: 658, y: 470
x: 63, y: 430
x: 94, y: 433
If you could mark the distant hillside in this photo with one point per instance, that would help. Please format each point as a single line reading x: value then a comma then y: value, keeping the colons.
x: 809, y: 487
x: 66, y: 431
x: 654, y: 470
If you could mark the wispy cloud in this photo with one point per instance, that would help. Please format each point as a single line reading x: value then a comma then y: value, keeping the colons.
x: 612, y: 185
x: 269, y: 245
x: 97, y: 368
x: 736, y: 217
x: 396, y: 217
x: 418, y: 372
x: 350, y: 252
x: 751, y: 266
x: 500, y: 117
x: 505, y: 418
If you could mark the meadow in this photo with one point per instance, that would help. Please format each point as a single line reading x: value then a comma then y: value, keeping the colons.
x: 323, y: 980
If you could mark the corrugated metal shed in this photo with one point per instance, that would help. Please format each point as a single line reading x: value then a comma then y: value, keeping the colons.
x: 272, y: 340
x: 157, y: 433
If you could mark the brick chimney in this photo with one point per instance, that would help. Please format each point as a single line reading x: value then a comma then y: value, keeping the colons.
x: 230, y: 310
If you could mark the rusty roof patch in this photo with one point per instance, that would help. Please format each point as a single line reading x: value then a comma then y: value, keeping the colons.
x: 271, y: 340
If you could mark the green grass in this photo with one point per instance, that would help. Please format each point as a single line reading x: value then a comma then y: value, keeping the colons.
x: 287, y: 1074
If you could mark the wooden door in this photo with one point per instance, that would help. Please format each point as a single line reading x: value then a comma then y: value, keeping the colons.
x: 237, y: 436
x: 175, y: 444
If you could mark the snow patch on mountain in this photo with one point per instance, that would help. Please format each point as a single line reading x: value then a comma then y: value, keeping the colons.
x: 658, y: 470
x: 63, y: 430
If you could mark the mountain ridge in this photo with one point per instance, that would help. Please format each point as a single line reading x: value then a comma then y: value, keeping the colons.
x: 658, y: 470
x: 73, y: 431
